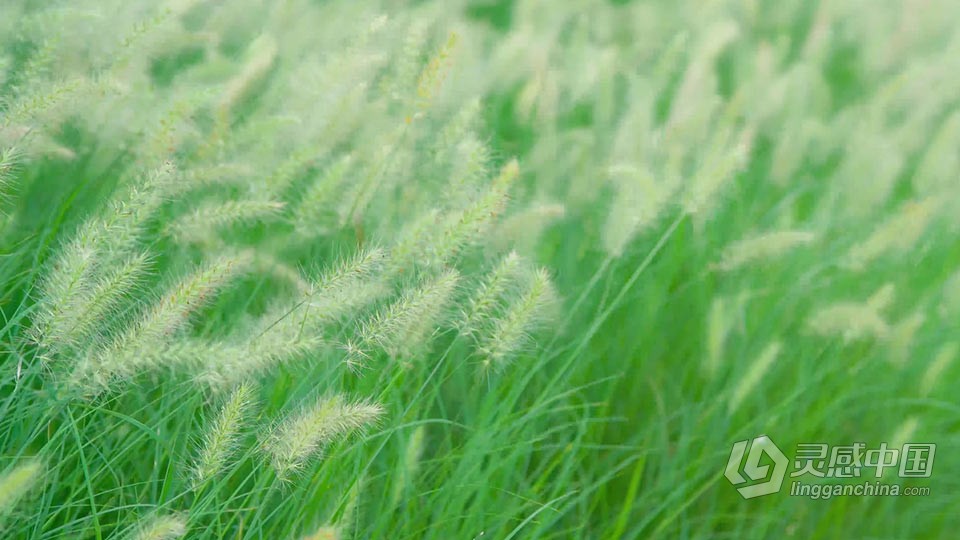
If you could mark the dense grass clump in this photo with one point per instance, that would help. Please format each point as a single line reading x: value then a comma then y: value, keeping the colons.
x: 440, y: 269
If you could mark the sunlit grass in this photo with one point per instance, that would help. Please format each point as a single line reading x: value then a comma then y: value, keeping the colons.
x: 458, y: 270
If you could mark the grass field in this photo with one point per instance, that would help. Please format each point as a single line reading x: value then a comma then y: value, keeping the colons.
x: 476, y: 270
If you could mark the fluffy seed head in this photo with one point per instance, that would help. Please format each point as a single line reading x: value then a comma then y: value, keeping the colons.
x: 850, y: 320
x: 904, y: 432
x: 754, y: 375
x: 327, y: 532
x: 9, y: 159
x: 260, y: 58
x: 406, y: 325
x: 724, y: 157
x: 489, y: 294
x: 168, y: 527
x: 899, y: 233
x: 349, y: 286
x: 438, y: 237
x: 221, y: 437
x: 17, y: 482
x: 141, y: 346
x: 101, y: 247
x: 206, y: 219
x: 639, y: 201
x: 433, y: 74
x: 525, y: 227
x: 762, y: 247
x: 470, y: 166
x: 941, y: 361
x: 90, y: 308
x: 288, y: 331
x: 902, y: 336
x: 317, y: 213
x: 407, y: 469
x: 510, y: 333
x: 303, y: 435
x: 936, y: 173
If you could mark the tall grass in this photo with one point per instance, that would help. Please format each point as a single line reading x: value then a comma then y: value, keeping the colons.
x: 461, y: 270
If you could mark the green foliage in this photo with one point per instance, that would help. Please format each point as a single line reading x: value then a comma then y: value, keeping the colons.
x: 450, y: 269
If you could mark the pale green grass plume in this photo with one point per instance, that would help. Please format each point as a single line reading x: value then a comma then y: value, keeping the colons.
x: 407, y: 470
x: 489, y: 294
x: 639, y: 202
x: 15, y: 483
x: 303, y: 435
x: 942, y: 360
x: 750, y: 379
x: 83, y: 320
x: 221, y: 436
x: 721, y: 319
x: 84, y: 277
x: 316, y: 213
x: 9, y: 160
x: 207, y: 218
x: 899, y: 233
x: 854, y: 320
x: 510, y: 333
x: 160, y: 528
x: 441, y: 236
x: 207, y: 205
x: 903, y: 334
x: 140, y: 346
x: 762, y: 247
x: 405, y: 326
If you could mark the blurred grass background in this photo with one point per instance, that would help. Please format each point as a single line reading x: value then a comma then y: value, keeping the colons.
x: 612, y: 427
